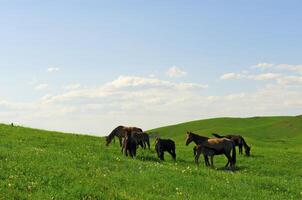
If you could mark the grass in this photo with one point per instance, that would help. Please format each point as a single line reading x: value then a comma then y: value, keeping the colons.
x: 36, y: 164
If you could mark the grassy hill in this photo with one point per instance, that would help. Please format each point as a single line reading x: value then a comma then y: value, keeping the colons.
x: 36, y: 164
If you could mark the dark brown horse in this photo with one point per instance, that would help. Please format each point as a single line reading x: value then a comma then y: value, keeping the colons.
x: 144, y: 139
x: 211, y: 147
x: 239, y: 141
x: 162, y: 145
x: 121, y: 132
x: 130, y: 145
x: 140, y: 138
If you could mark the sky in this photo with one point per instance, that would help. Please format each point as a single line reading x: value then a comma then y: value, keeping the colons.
x: 89, y: 66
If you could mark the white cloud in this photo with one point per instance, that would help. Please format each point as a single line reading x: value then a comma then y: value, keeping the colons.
x: 263, y: 65
x: 279, y: 67
x: 264, y: 76
x: 150, y: 102
x: 53, y: 69
x: 231, y: 75
x: 72, y: 86
x: 41, y: 87
x: 176, y: 72
x: 247, y: 75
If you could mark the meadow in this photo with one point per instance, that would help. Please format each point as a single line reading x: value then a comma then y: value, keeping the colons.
x: 38, y: 164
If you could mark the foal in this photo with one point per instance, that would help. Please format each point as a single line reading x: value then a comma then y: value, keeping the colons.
x: 165, y: 145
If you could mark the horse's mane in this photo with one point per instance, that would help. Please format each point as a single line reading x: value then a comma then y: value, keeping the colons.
x: 244, y: 143
x: 199, y: 136
x: 114, y: 132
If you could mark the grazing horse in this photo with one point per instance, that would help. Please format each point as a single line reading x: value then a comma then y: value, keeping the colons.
x: 121, y: 132
x: 212, y: 147
x: 162, y: 145
x: 239, y: 141
x: 143, y: 139
x: 130, y: 145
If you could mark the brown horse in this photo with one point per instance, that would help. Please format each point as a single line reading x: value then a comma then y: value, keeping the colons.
x: 121, y: 132
x: 206, y: 152
x: 239, y: 141
x: 212, y: 147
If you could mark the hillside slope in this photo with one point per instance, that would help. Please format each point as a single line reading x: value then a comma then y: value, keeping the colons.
x: 36, y: 164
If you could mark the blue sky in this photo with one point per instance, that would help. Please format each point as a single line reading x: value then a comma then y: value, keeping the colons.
x: 94, y: 59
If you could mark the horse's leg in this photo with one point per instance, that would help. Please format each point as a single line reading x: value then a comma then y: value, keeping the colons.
x: 135, y: 151
x: 197, y: 155
x: 212, y: 161
x: 158, y: 153
x: 194, y: 150
x: 240, y: 149
x: 162, y: 157
x: 126, y: 152
x: 123, y: 149
x: 121, y: 141
x: 172, y: 153
x: 206, y: 160
x: 229, y: 160
x: 148, y: 142
x: 141, y: 144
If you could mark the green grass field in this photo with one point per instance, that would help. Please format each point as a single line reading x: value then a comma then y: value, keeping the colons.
x: 36, y: 164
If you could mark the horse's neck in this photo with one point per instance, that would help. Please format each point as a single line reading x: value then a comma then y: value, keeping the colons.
x: 244, y: 143
x: 116, y: 132
x: 199, y: 139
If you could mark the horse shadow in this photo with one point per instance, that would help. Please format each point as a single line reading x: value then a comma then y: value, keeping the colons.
x: 235, y: 169
x: 256, y: 156
x: 148, y: 158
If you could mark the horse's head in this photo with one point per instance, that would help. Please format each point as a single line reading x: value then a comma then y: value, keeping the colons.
x: 108, y: 140
x: 189, y: 138
x: 248, y: 151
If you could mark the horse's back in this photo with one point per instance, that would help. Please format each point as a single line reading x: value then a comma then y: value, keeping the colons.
x: 165, y: 144
x: 219, y: 143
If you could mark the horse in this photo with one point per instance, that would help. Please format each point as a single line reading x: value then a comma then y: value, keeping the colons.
x: 239, y: 141
x: 143, y: 139
x: 206, y: 152
x: 121, y: 132
x: 140, y: 138
x: 162, y: 145
x: 130, y: 144
x: 212, y: 147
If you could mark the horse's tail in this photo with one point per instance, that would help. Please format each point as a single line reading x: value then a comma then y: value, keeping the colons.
x: 218, y: 136
x: 234, y: 154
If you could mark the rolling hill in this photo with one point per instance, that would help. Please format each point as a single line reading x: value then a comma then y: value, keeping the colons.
x: 38, y: 164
